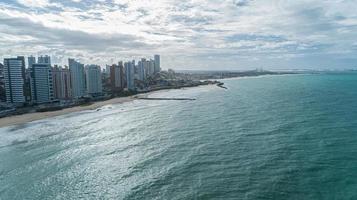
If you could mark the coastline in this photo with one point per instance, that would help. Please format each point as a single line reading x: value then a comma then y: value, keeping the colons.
x: 30, y: 117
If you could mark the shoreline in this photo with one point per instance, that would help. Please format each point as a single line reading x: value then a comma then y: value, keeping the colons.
x: 35, y: 116
x: 30, y: 117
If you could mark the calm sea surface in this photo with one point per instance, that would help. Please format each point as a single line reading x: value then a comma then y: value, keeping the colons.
x: 273, y: 137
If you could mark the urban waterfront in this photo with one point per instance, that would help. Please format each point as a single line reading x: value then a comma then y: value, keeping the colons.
x: 39, y: 86
x: 270, y: 137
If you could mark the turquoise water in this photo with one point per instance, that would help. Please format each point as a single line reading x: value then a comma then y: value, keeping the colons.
x: 274, y: 137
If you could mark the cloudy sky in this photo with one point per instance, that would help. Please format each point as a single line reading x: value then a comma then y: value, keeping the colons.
x: 188, y: 34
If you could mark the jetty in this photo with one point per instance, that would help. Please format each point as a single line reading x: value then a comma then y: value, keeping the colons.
x: 221, y: 85
x: 172, y: 99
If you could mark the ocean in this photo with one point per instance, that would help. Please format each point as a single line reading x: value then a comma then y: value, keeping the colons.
x: 269, y: 137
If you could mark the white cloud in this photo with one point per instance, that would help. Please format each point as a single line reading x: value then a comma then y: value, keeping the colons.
x: 37, y: 3
x: 183, y: 31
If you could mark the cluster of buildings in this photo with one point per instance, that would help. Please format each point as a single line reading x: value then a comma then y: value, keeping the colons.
x: 41, y: 82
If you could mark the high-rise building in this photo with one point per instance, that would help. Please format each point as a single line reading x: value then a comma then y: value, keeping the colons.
x: 28, y: 96
x: 14, y: 77
x: 121, y: 65
x: 133, y: 63
x: 77, y: 78
x: 31, y: 60
x: 2, y: 84
x: 93, y: 80
x: 106, y: 72
x: 44, y: 60
x: 151, y: 67
x: 129, y: 73
x: 1, y: 70
x: 41, y: 83
x: 146, y: 67
x: 117, y: 77
x: 157, y: 63
x: 1, y: 75
x: 61, y: 83
x: 27, y: 85
x: 141, y: 70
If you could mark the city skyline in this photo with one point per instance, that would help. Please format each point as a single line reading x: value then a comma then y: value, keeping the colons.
x: 231, y: 34
x: 40, y: 82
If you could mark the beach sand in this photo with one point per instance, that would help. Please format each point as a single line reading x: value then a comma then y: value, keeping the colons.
x: 29, y: 117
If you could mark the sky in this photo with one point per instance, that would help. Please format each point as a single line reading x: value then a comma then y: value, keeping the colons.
x: 188, y: 34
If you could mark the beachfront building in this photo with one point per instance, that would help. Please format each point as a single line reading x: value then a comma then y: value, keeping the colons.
x: 14, y: 78
x: 41, y: 83
x: 157, y: 63
x: 1, y: 72
x: 151, y: 67
x: 147, y: 68
x: 117, y: 77
x: 2, y: 84
x: 93, y: 80
x: 61, y: 83
x: 129, y: 72
x: 77, y: 78
x: 2, y: 75
x: 141, y: 70
x: 27, y: 85
x: 121, y: 65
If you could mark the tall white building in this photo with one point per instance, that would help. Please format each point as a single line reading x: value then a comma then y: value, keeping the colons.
x: 129, y: 72
x: 41, y: 83
x: 77, y: 78
x: 93, y: 79
x: 14, y: 77
x: 157, y: 63
x: 44, y: 60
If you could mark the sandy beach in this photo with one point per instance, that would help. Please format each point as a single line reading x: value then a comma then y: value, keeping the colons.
x: 29, y: 117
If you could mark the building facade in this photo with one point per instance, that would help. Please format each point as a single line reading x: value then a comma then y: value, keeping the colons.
x: 2, y: 84
x: 61, y: 83
x: 77, y: 78
x: 141, y: 70
x: 94, y: 80
x: 14, y: 78
x: 129, y: 73
x: 41, y: 83
x: 151, y: 67
x: 117, y: 77
x: 31, y: 60
x: 146, y: 64
x: 157, y: 63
